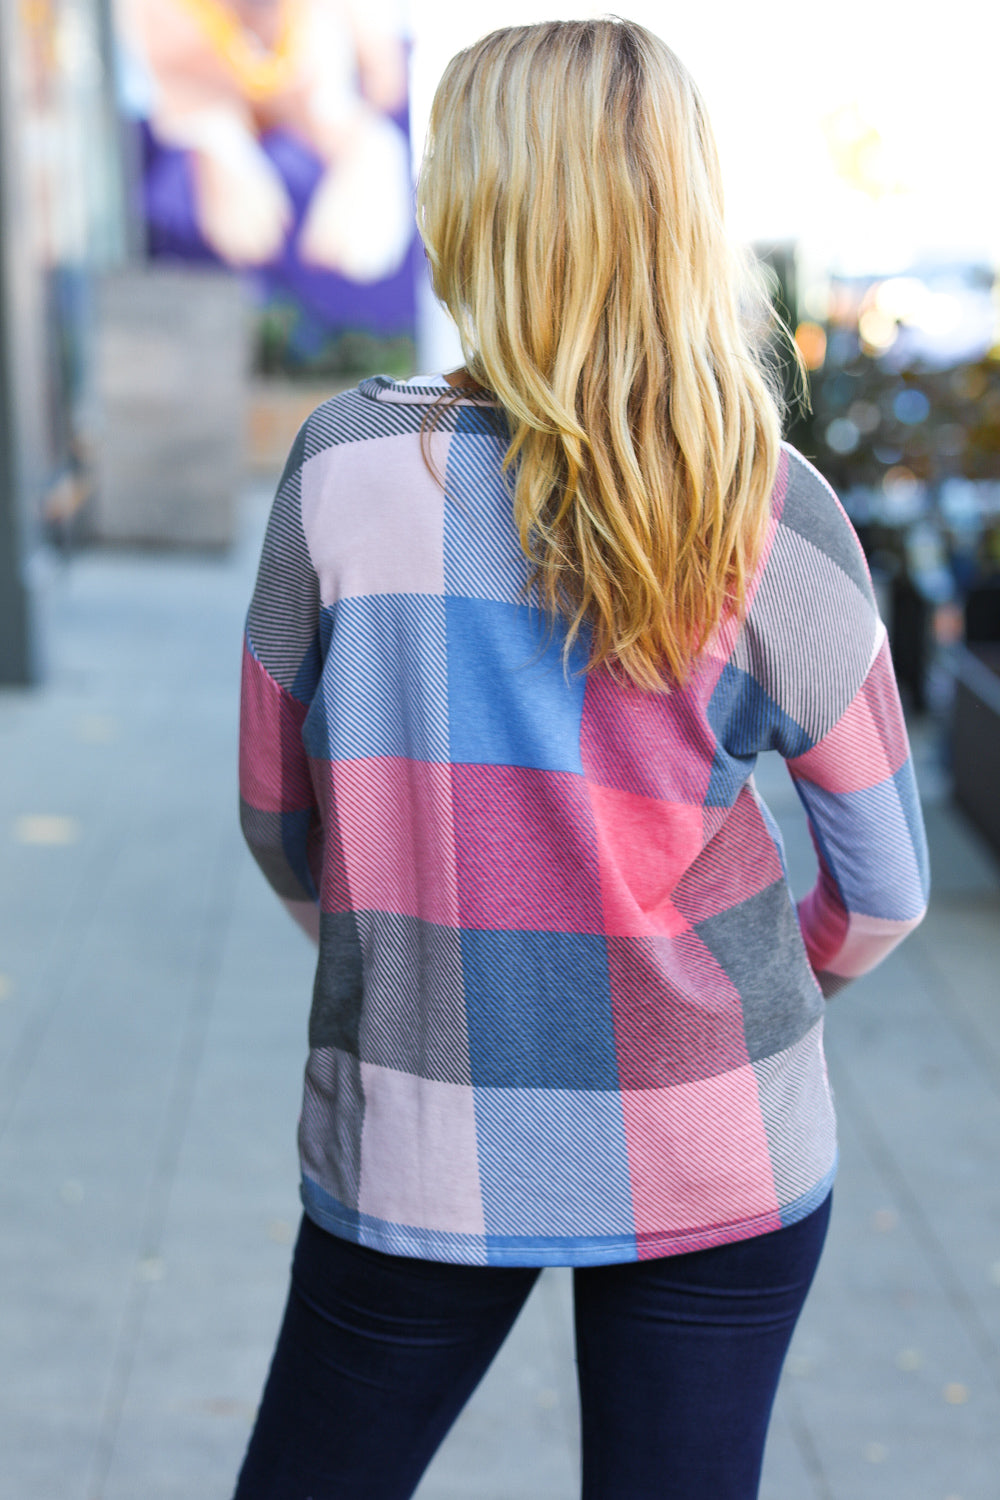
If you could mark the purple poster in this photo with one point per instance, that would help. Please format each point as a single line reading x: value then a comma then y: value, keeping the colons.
x: 275, y: 140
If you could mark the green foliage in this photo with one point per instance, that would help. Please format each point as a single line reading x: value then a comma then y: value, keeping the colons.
x: 287, y: 345
x: 958, y: 436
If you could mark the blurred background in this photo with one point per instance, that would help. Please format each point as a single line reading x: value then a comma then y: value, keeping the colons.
x: 206, y: 228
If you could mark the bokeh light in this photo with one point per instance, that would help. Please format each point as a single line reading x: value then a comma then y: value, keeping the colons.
x: 811, y: 340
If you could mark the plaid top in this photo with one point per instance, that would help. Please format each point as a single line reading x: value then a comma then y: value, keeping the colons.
x: 565, y: 1010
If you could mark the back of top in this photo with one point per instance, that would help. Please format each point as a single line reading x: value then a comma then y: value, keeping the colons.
x: 565, y: 1010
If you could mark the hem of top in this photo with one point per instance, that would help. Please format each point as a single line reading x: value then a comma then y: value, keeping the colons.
x: 384, y: 389
x: 408, y: 1242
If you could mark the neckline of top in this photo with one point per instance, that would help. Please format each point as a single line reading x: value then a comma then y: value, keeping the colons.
x: 421, y: 390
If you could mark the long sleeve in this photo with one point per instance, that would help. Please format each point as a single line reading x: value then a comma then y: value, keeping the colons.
x: 842, y: 734
x: 281, y: 657
x: 860, y: 795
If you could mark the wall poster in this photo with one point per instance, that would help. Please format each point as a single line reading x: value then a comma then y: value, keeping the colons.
x: 274, y: 139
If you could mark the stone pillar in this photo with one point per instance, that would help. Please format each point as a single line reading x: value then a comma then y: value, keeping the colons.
x: 171, y: 375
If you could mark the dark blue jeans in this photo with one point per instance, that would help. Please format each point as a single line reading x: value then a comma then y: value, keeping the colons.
x: 678, y: 1364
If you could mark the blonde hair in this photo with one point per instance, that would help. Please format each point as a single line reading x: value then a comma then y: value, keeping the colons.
x: 570, y: 203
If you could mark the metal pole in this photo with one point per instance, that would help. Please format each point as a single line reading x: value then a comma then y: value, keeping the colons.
x: 17, y: 664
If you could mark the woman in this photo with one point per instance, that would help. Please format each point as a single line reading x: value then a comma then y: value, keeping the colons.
x: 513, y: 651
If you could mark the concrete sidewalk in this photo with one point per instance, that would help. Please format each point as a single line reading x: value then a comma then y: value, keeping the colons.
x: 153, y: 1003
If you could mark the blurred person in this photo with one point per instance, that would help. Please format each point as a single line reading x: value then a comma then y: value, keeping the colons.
x: 518, y: 635
x: 249, y: 87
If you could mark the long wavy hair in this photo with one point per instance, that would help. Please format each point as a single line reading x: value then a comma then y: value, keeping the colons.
x: 570, y: 203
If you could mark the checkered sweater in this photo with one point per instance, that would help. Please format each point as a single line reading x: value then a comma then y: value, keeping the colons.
x: 565, y: 1010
